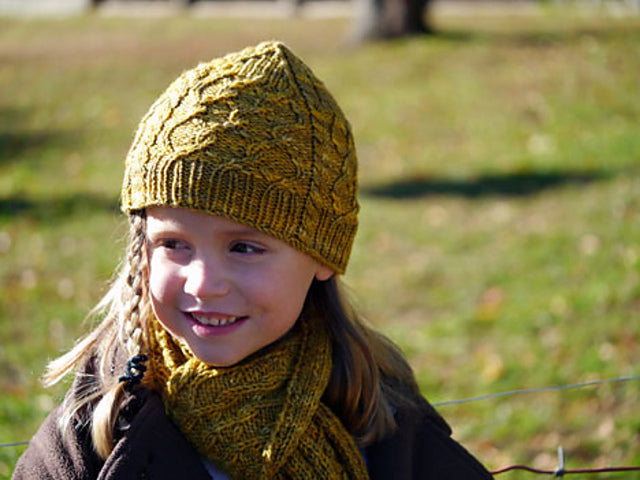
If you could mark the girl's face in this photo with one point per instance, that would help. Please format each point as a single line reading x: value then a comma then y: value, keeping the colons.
x: 224, y: 288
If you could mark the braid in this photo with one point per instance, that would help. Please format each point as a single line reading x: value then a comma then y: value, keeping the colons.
x: 131, y: 335
x: 133, y: 295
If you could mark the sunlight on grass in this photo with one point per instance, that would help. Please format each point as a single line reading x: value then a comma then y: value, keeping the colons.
x: 500, y: 192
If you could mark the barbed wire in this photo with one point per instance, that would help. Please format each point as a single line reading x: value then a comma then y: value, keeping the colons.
x: 558, y: 472
x: 561, y: 471
x: 536, y: 390
x: 15, y: 444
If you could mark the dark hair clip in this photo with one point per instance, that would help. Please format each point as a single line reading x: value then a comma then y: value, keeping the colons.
x: 134, y: 371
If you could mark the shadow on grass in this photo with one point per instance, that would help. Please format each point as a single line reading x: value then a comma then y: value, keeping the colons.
x: 506, y: 185
x: 16, y: 140
x: 538, y: 38
x: 57, y: 208
x: 12, y: 145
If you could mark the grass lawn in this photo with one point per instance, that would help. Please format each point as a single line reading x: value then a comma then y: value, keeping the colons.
x: 500, y: 189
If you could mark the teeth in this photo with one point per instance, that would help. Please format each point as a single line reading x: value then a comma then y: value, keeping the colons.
x: 216, y: 322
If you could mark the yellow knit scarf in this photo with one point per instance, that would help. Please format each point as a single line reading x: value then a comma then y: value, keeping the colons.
x: 262, y: 418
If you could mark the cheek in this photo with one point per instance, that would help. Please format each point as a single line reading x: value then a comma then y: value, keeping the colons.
x: 287, y: 295
x: 163, y: 282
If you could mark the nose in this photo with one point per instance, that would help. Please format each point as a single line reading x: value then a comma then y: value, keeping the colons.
x: 206, y: 279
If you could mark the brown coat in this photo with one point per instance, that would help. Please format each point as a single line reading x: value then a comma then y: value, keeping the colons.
x: 151, y: 447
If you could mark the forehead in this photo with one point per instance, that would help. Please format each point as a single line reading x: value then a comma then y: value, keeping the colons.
x: 161, y: 217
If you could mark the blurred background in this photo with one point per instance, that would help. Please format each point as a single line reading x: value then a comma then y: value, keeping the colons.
x: 500, y: 187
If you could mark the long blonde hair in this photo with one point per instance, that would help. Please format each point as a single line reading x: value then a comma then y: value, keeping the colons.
x: 124, y: 311
x: 366, y: 373
x: 370, y: 373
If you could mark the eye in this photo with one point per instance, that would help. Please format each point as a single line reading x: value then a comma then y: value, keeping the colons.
x: 171, y: 244
x: 247, y: 248
x: 168, y: 244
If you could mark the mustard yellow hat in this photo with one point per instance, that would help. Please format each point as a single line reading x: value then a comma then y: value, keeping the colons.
x: 255, y: 137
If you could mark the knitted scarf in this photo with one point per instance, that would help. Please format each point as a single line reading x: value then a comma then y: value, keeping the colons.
x: 262, y: 418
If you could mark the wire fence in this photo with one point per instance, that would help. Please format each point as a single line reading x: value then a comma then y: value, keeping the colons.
x: 560, y: 471
x: 538, y: 390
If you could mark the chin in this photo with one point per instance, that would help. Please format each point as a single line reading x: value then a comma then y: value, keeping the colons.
x: 220, y: 361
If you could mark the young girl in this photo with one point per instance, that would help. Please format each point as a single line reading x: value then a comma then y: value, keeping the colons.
x: 226, y: 350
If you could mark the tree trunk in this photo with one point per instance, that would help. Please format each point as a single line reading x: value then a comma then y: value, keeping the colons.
x: 292, y: 7
x: 382, y: 19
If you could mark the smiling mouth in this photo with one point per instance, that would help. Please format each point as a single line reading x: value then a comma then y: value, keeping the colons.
x: 214, y: 321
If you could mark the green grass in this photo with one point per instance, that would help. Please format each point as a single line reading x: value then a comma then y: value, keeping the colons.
x: 500, y: 190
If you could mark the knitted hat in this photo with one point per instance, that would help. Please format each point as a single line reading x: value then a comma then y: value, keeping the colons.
x: 257, y: 138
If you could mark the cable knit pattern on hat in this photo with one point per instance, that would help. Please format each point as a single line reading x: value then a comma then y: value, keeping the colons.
x: 255, y: 137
